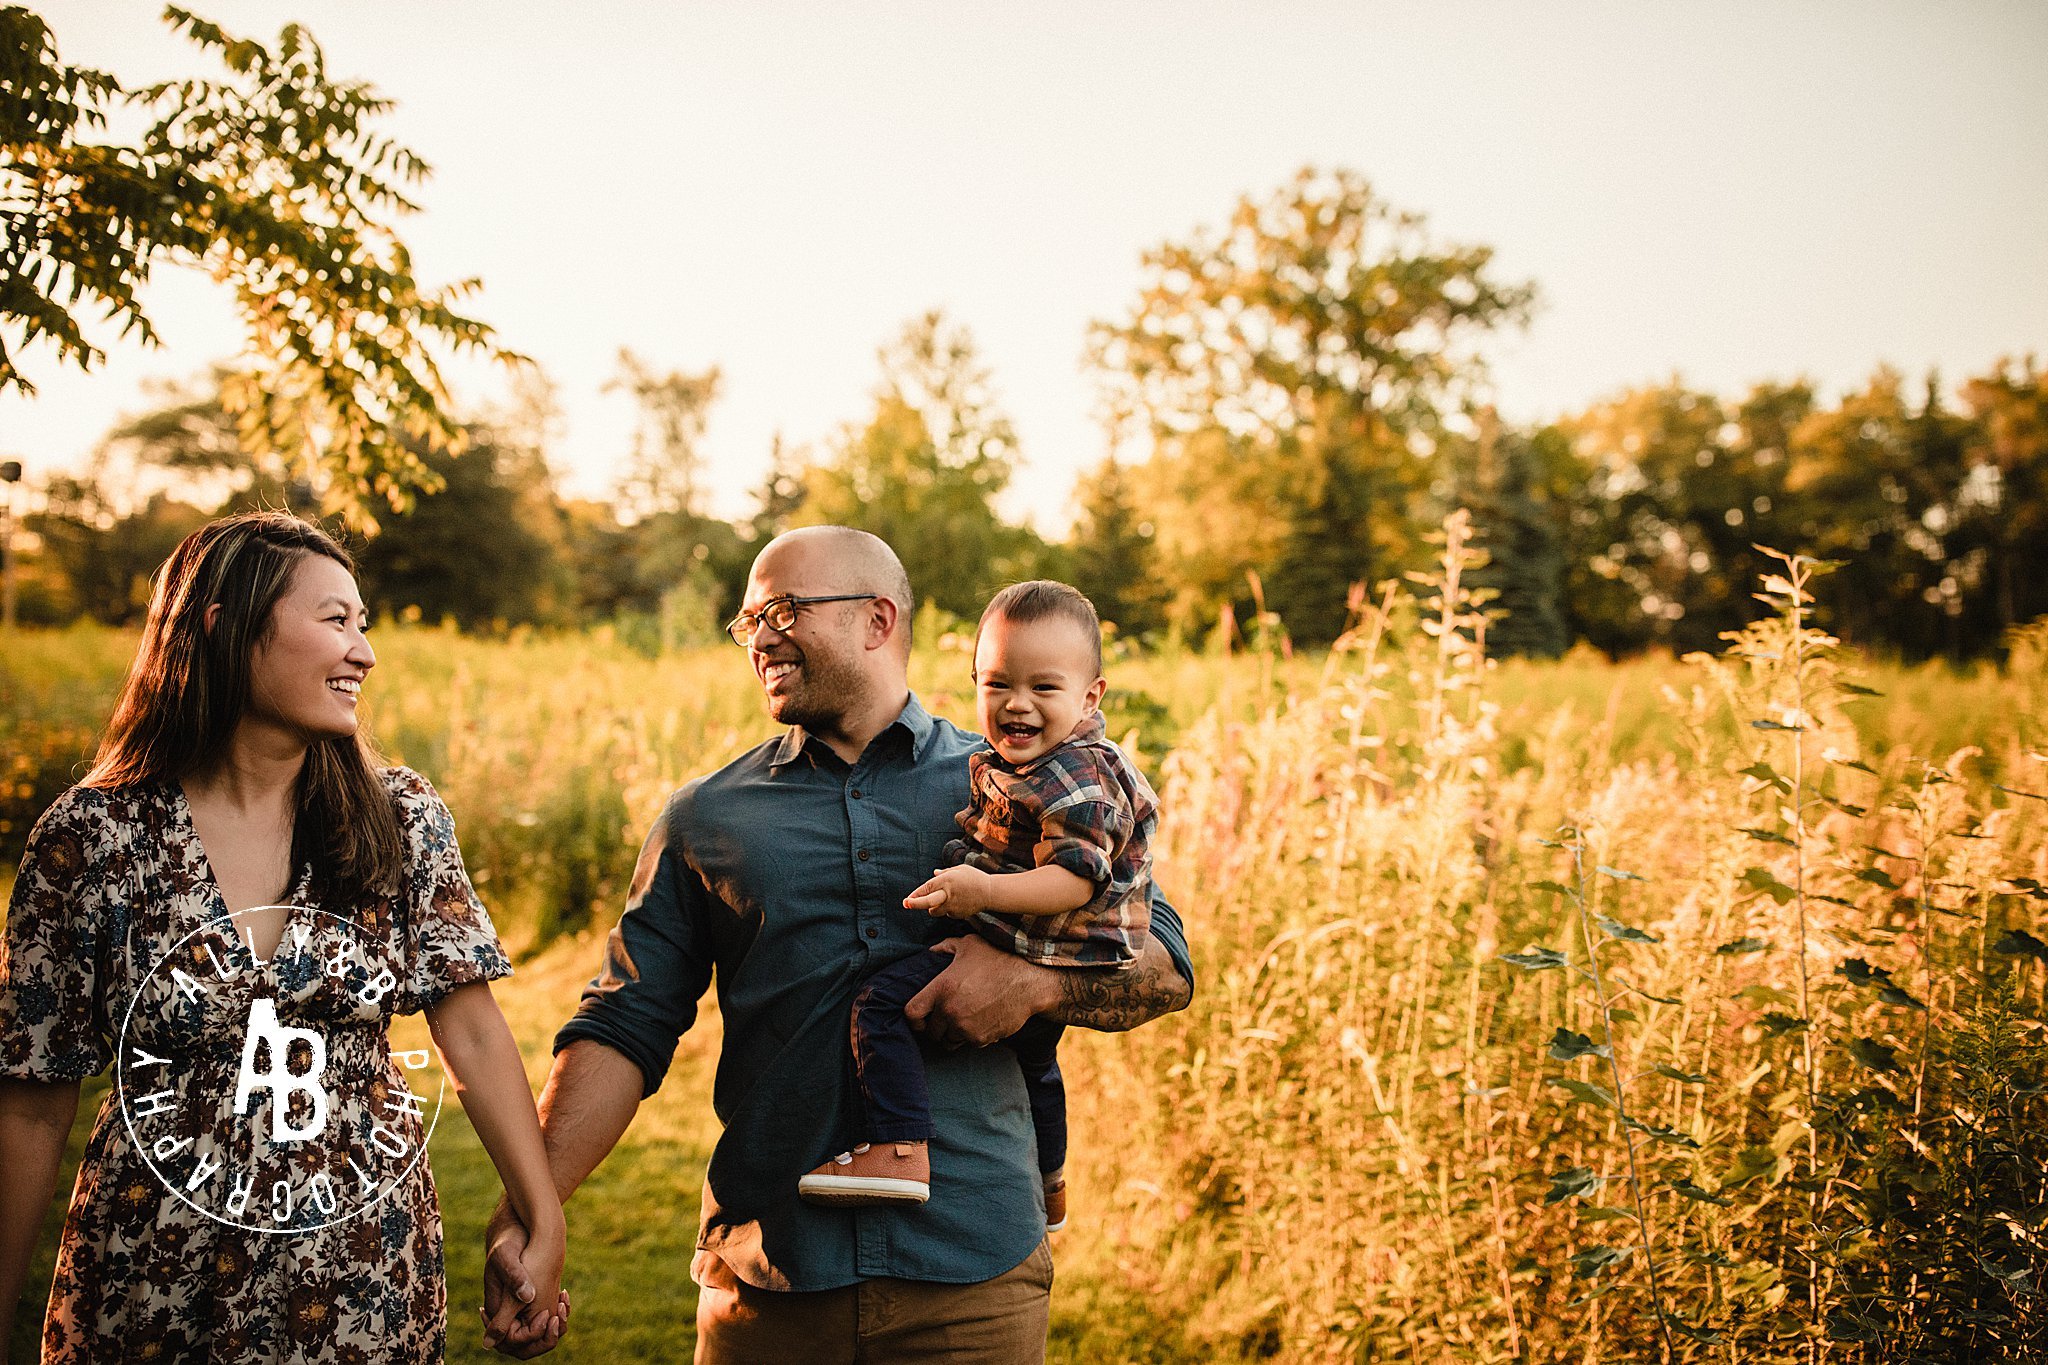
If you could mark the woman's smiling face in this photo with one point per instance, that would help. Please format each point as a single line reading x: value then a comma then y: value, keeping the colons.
x: 306, y: 675
x: 1034, y: 683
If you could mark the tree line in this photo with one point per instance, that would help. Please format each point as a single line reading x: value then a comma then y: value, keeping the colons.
x: 1629, y: 525
x: 1293, y: 402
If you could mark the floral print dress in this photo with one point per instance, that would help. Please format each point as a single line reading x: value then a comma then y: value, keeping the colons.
x: 115, y: 891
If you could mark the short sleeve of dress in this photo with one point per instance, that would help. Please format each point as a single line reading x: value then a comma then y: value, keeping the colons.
x: 449, y: 939
x: 52, y: 1012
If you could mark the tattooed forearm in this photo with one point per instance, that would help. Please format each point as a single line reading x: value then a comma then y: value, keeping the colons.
x: 1115, y: 1001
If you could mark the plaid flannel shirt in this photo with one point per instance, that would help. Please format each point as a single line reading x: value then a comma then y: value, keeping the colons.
x: 1083, y: 806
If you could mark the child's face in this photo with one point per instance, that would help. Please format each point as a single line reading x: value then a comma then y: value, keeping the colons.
x: 1033, y: 684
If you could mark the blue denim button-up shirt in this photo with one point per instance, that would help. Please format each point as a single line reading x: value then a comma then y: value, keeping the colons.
x: 783, y: 875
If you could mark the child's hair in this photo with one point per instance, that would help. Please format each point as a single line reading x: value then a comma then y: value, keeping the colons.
x: 1043, y: 599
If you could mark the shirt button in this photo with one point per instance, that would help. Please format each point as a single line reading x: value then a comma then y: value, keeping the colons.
x: 874, y: 933
x: 862, y: 855
x: 856, y: 793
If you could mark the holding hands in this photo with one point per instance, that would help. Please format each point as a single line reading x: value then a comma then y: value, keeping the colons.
x: 525, y: 1308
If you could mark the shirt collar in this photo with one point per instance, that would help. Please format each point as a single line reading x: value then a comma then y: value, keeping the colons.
x: 913, y: 719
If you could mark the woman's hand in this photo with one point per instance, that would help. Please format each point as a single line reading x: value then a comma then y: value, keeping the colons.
x: 514, y: 1323
x: 528, y: 1239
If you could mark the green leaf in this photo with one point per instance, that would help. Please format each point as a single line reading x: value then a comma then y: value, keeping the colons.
x: 1705, y: 1335
x: 1767, y: 836
x: 1844, y: 1325
x: 1873, y: 1054
x: 1672, y: 1073
x: 2017, y: 942
x: 1699, y: 1195
x: 1773, y: 725
x: 1735, y: 947
x: 1760, y: 879
x: 1877, y: 876
x: 1717, y: 1259
x: 1750, y: 1163
x: 1567, y: 1046
x: 1534, y: 959
x: 1900, y: 996
x: 1861, y: 973
x: 1674, y: 1136
x: 1766, y: 774
x: 1622, y: 1014
x: 1570, y: 1183
x: 1584, y: 1092
x: 1555, y: 888
x: 1857, y: 689
x: 1777, y: 1023
x: 1618, y: 874
x: 1615, y: 929
x: 1593, y: 1260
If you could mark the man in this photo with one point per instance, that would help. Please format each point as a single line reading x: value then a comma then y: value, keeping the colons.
x: 782, y: 876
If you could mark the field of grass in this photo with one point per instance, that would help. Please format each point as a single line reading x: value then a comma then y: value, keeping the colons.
x: 1761, y: 1081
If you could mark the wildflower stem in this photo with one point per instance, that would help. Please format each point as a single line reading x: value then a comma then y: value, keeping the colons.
x: 1577, y: 845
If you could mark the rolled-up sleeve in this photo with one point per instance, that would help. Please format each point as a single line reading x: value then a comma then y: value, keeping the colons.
x: 1166, y: 927
x: 657, y: 960
x: 1082, y: 836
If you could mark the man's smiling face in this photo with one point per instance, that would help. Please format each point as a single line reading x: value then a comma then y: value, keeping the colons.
x: 810, y: 674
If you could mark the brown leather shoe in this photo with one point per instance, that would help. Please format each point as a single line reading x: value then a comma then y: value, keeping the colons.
x: 872, y: 1173
x: 1055, y: 1204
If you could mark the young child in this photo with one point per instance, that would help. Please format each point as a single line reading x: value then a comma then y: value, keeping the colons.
x: 1054, y: 866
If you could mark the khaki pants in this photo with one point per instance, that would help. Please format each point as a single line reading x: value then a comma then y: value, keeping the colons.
x: 878, y: 1322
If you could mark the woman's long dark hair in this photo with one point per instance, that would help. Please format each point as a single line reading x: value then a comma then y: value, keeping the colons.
x: 189, y: 687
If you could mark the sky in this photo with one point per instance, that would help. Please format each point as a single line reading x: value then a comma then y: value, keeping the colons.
x: 1724, y: 192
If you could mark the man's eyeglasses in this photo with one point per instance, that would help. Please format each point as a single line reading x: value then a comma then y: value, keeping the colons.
x: 780, y: 613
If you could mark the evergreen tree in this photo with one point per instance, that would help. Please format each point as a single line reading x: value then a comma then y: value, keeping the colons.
x: 1114, y: 554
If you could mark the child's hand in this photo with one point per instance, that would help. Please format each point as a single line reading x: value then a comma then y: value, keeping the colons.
x: 953, y: 892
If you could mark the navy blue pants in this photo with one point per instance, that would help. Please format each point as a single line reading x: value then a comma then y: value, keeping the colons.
x: 891, y: 1069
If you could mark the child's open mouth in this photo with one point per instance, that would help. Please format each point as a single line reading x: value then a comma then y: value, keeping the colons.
x: 1020, y: 734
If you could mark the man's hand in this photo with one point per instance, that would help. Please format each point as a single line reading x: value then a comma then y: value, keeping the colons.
x: 513, y: 1326
x: 983, y: 997
x: 953, y: 893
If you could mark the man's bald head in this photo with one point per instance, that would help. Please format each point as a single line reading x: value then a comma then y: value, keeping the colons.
x: 836, y: 559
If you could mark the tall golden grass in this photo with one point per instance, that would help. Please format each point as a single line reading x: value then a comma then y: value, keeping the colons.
x: 1597, y: 1057
x: 1698, y: 1114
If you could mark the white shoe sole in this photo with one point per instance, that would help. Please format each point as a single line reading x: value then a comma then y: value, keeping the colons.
x: 862, y: 1189
x: 1056, y: 1227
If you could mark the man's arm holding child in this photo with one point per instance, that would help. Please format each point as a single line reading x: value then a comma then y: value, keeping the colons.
x: 987, y: 994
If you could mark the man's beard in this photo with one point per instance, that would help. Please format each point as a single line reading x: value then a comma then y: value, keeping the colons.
x: 826, y: 689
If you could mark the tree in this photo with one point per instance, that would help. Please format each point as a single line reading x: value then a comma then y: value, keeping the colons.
x: 103, y: 548
x: 277, y: 183
x: 1677, y: 488
x: 2002, y: 505
x: 1519, y: 520
x: 674, y: 408
x: 1113, y: 552
x: 488, y: 548
x: 1874, y: 485
x: 924, y: 471
x: 1327, y: 338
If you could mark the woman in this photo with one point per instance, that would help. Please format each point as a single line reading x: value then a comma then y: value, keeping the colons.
x: 235, y: 901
